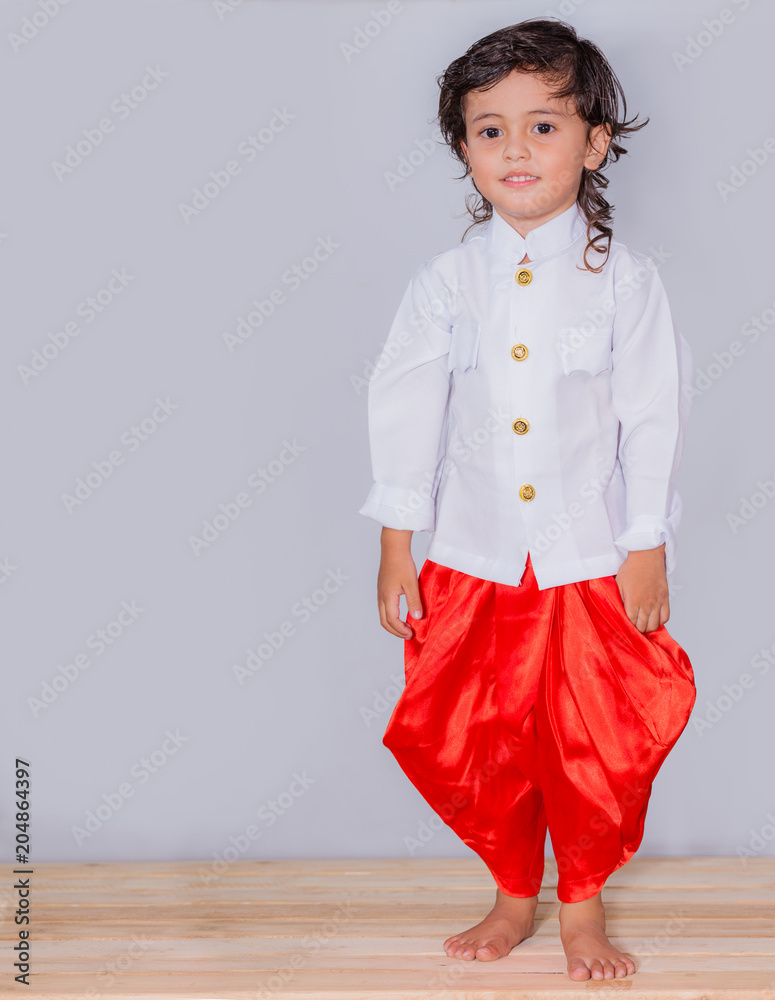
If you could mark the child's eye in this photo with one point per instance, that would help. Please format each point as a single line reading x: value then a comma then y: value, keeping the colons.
x: 542, y: 126
x: 490, y: 128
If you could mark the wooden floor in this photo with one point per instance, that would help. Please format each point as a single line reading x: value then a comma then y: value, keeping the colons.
x: 372, y: 930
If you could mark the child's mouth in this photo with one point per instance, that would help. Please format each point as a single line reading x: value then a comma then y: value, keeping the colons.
x: 520, y: 180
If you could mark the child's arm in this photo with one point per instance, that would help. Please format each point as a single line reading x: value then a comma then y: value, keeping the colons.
x: 642, y: 583
x: 397, y: 575
x: 651, y: 365
x: 407, y: 408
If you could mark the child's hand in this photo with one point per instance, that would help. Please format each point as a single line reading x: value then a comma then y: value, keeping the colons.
x: 397, y: 575
x: 643, y: 585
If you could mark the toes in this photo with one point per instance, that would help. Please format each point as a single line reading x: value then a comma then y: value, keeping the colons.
x: 469, y: 950
x: 578, y: 970
x: 457, y: 948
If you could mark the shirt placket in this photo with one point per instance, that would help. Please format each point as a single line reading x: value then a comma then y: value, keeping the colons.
x: 521, y: 357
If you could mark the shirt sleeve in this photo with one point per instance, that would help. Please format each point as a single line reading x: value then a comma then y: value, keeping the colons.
x: 407, y: 410
x: 650, y: 386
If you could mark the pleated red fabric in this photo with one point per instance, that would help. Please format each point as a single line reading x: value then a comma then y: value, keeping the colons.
x: 525, y: 709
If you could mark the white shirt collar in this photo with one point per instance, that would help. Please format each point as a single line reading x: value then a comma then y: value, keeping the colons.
x: 508, y: 247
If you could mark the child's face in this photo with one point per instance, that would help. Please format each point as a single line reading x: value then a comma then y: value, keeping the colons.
x: 517, y: 129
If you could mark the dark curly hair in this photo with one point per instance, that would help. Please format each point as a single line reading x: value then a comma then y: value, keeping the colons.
x: 552, y: 49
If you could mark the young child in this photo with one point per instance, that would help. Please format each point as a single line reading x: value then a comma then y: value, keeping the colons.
x: 529, y: 411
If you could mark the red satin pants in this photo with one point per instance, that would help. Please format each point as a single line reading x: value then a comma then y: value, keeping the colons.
x: 525, y: 709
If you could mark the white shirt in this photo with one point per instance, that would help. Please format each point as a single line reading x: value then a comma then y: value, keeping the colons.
x: 591, y: 365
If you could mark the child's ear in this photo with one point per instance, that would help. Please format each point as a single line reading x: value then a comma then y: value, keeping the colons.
x: 599, y: 141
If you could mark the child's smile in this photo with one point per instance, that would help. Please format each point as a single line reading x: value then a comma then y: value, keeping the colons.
x: 519, y: 180
x: 527, y: 149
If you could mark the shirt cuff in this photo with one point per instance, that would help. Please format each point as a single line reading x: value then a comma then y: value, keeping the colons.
x: 399, y: 507
x: 647, y: 532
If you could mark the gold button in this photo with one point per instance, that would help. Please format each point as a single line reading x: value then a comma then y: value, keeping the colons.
x: 519, y: 352
x: 520, y: 426
x: 523, y: 276
x: 527, y: 492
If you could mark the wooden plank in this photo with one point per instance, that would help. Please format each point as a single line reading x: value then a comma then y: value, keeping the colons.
x: 632, y: 926
x: 380, y: 946
x: 698, y: 929
x: 622, y: 880
x: 137, y: 961
x: 371, y: 912
x: 259, y: 893
x: 498, y: 979
x: 164, y: 869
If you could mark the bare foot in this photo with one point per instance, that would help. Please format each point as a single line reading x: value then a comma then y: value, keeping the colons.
x: 589, y: 952
x: 508, y: 922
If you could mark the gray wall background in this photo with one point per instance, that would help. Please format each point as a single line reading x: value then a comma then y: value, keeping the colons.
x: 97, y: 735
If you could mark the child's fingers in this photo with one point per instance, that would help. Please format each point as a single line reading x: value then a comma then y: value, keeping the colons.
x: 390, y: 618
x: 648, y: 621
x: 658, y: 617
x: 413, y: 602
